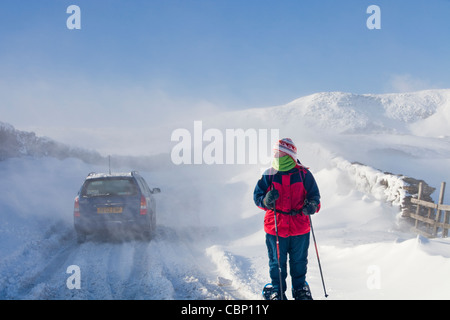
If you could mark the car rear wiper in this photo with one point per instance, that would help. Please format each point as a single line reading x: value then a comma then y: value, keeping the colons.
x: 97, y: 195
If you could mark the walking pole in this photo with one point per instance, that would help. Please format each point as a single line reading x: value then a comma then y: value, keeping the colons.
x: 278, y: 252
x: 318, y: 259
x: 278, y: 245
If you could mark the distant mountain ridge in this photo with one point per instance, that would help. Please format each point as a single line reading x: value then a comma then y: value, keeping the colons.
x: 353, y: 113
x: 17, y: 143
x: 420, y: 113
x: 350, y: 112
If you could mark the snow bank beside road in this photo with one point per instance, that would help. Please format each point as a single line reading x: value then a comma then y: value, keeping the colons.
x: 383, y: 186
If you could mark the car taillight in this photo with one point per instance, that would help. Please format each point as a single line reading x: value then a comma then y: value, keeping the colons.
x: 143, y: 206
x: 76, y: 208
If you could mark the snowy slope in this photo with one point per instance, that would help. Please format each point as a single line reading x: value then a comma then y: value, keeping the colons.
x: 210, y: 242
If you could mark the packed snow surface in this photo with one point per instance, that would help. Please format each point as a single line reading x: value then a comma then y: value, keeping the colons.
x: 209, y: 242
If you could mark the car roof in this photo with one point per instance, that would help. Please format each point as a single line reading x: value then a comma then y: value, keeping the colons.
x: 95, y: 175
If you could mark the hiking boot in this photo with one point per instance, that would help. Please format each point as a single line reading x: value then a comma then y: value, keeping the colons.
x: 270, y: 293
x: 304, y: 293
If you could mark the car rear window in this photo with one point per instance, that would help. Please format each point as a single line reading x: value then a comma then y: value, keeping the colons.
x: 109, y: 187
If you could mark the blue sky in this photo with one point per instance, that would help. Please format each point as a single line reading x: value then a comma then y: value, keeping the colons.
x: 160, y: 58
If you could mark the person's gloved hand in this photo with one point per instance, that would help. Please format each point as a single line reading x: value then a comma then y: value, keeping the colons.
x: 270, y: 198
x: 309, y: 207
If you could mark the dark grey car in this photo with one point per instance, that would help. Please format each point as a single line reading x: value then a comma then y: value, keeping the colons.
x: 120, y: 204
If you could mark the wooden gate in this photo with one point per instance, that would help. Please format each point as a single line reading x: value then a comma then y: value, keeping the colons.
x: 430, y: 217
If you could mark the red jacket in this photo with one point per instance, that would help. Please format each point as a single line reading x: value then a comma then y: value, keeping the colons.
x: 294, y: 187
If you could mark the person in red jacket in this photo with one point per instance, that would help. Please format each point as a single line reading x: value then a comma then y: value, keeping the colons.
x: 289, y: 190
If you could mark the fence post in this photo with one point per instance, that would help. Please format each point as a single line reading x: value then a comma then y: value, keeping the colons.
x: 419, y: 196
x: 445, y: 220
x: 438, y: 211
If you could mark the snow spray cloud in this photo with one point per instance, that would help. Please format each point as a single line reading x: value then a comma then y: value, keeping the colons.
x: 213, y: 146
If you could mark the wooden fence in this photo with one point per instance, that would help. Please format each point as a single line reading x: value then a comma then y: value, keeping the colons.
x: 430, y: 217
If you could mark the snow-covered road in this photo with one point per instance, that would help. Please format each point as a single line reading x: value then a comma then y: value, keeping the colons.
x: 171, y: 266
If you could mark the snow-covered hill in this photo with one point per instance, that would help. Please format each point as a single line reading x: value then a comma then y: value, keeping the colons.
x: 17, y: 143
x: 210, y: 242
x: 341, y: 112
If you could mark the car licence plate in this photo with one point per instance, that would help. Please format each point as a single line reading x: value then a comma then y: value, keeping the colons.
x: 109, y: 210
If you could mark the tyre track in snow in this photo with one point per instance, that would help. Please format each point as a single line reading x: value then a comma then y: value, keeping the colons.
x: 29, y: 273
x: 168, y: 267
x: 187, y: 268
x: 173, y: 265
